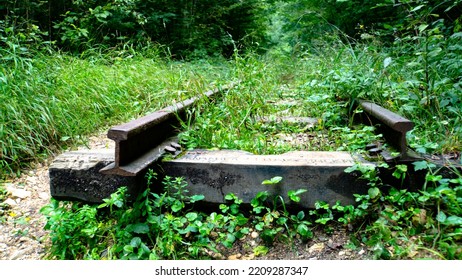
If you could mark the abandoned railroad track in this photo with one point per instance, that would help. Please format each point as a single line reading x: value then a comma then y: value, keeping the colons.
x: 93, y: 172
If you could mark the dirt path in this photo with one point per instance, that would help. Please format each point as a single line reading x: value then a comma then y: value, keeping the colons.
x: 22, y: 236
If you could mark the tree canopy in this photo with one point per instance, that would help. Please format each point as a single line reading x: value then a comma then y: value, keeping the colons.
x: 203, y: 27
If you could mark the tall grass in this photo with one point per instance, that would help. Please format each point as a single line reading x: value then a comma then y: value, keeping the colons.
x: 324, y: 84
x: 50, y: 101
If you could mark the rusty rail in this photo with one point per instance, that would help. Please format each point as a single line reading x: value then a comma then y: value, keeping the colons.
x: 141, y: 142
x: 393, y: 127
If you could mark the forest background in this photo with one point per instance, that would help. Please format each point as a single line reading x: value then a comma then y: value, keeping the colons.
x: 70, y: 67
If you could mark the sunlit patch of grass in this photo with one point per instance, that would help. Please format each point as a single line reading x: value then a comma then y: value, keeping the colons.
x: 53, y: 101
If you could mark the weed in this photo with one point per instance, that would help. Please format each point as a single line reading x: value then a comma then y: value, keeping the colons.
x: 155, y: 226
x: 400, y: 224
x: 3, y: 206
x: 272, y: 218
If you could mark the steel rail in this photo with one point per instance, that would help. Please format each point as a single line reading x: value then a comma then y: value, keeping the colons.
x: 141, y: 142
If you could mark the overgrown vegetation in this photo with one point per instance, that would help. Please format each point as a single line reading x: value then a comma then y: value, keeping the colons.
x: 162, y: 225
x: 56, y: 100
x: 188, y: 28
x: 68, y: 68
x: 394, y: 224
x: 418, y: 76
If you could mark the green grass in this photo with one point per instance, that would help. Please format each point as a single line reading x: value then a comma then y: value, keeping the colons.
x: 51, y: 101
x: 325, y: 85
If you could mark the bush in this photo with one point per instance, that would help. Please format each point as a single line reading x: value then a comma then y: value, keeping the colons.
x: 188, y: 28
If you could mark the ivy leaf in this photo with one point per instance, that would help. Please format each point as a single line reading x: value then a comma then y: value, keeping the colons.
x: 230, y: 238
x: 295, y: 195
x: 304, y: 231
x: 301, y: 215
x: 191, y: 216
x: 128, y: 248
x: 322, y: 221
x: 230, y: 196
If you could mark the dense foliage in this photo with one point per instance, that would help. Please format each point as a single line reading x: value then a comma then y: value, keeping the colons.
x: 69, y: 67
x: 187, y: 27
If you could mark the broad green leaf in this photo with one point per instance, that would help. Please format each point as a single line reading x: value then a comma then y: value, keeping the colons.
x: 135, y: 242
x: 259, y: 226
x: 262, y: 195
x: 141, y: 228
x: 241, y: 220
x: 401, y: 167
x: 197, y: 197
x: 422, y: 27
x: 457, y: 35
x: 272, y: 181
x: 177, y: 206
x: 420, y: 165
x: 441, y: 217
x: 281, y: 221
x: 387, y: 26
x: 190, y: 229
x: 245, y: 230
x: 234, y: 209
x: 304, y: 231
x: 456, y: 181
x: 433, y: 178
x: 301, y: 215
x: 453, y: 221
x: 145, y: 248
x: 295, y: 195
x: 435, y: 52
x: 191, y: 216
x: 230, y: 238
x: 373, y: 193
x: 323, y: 221
x: 128, y: 248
